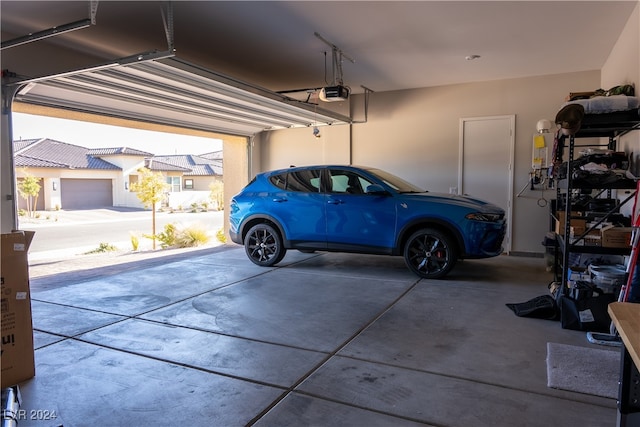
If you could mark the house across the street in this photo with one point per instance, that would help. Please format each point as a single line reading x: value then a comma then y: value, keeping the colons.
x: 74, y: 177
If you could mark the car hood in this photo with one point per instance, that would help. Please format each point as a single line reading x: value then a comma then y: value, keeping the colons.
x: 463, y: 201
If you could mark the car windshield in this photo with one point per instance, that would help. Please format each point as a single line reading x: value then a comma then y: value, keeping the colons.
x: 398, y: 184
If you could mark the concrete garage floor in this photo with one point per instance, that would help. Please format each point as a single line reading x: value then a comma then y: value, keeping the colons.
x: 323, y: 340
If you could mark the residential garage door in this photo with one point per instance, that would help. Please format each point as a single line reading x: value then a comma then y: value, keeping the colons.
x: 86, y: 193
x: 170, y: 91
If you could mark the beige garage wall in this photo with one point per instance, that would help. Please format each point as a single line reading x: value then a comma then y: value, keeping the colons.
x: 623, y: 64
x: 623, y: 67
x: 299, y: 147
x: 414, y: 134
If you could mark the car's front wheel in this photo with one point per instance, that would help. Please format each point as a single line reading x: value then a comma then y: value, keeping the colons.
x: 263, y: 245
x: 430, y: 253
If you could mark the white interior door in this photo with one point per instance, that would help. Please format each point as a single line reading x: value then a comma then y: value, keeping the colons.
x: 486, y: 162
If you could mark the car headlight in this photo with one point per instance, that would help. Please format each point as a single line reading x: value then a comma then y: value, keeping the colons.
x: 485, y: 217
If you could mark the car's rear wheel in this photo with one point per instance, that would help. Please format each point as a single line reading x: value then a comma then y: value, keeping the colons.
x: 263, y: 245
x: 430, y: 253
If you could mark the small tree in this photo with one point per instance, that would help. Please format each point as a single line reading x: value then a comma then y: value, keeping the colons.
x: 150, y: 189
x: 29, y: 188
x: 216, y: 194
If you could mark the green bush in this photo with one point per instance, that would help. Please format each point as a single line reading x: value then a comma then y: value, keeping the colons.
x: 167, y: 238
x: 222, y: 238
x: 135, y: 242
x: 102, y: 248
x: 173, y: 237
x: 191, y: 236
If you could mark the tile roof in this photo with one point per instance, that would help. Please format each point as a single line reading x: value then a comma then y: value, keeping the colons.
x: 31, y: 162
x: 115, y: 151
x: 196, y: 165
x: 156, y: 165
x: 22, y: 144
x: 214, y: 155
x: 55, y: 154
x: 48, y: 153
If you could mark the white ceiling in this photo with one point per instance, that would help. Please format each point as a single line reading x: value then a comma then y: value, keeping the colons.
x: 395, y: 44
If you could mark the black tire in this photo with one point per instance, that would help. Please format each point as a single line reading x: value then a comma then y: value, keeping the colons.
x: 430, y: 253
x: 263, y: 245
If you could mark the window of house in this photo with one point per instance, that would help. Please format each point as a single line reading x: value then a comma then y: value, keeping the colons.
x: 188, y: 184
x: 174, y: 182
x: 132, y: 180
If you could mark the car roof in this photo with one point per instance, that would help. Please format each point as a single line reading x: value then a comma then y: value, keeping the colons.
x: 298, y: 168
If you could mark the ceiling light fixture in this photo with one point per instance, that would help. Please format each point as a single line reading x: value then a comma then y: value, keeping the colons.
x: 471, y: 57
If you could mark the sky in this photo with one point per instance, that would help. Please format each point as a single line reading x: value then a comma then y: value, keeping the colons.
x: 92, y: 135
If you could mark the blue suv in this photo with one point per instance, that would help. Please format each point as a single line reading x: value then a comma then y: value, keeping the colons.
x: 362, y: 210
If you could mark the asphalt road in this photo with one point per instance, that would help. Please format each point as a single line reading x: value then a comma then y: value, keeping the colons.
x: 80, y: 231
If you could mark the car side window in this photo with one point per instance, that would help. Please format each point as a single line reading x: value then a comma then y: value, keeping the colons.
x: 279, y: 181
x: 343, y: 181
x: 307, y: 180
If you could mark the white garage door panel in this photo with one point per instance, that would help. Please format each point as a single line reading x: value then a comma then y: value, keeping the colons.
x: 86, y: 193
x: 173, y: 92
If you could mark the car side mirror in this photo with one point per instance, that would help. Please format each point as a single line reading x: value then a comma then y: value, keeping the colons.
x: 376, y: 189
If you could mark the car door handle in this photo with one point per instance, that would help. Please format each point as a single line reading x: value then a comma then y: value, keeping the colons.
x: 335, y: 201
x: 280, y: 199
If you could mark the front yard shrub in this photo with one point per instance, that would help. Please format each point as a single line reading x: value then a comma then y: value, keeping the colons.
x: 222, y: 238
x: 191, y: 236
x: 167, y: 238
x: 174, y: 237
x: 102, y: 248
x: 135, y: 242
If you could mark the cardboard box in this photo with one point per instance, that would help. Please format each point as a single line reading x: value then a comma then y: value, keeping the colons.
x: 616, y: 237
x: 593, y: 238
x: 579, y: 225
x: 17, y: 355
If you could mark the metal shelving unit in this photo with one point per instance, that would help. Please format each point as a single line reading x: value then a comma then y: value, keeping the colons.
x: 596, y: 127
